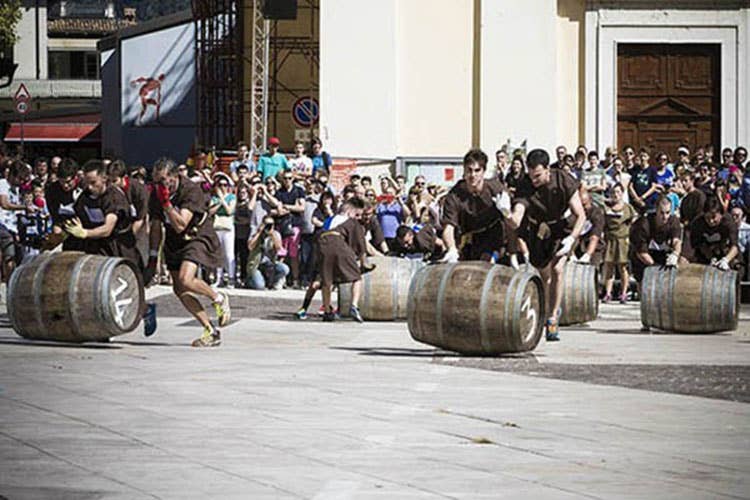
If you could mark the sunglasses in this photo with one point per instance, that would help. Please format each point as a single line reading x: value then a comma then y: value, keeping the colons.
x: 288, y: 178
x: 420, y: 184
x: 223, y: 184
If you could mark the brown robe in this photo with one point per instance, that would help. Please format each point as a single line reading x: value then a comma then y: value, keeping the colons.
x: 198, y: 243
x: 645, y: 237
x: 339, y: 251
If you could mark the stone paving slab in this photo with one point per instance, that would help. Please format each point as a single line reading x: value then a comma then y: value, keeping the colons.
x: 289, y: 409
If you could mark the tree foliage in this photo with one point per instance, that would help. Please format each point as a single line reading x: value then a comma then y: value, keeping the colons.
x: 10, y: 15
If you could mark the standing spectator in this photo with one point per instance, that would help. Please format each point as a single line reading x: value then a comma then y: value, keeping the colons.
x: 743, y: 236
x: 321, y: 160
x: 54, y: 164
x: 392, y: 212
x: 264, y: 268
x: 273, y: 162
x: 243, y: 159
x: 366, y: 182
x: 515, y: 175
x: 401, y: 189
x: 683, y: 161
x: 620, y: 216
x: 223, y: 206
x: 290, y: 213
x: 740, y: 157
x: 642, y: 191
x: 560, y: 151
x: 246, y: 199
x: 618, y: 175
x: 663, y: 175
x: 41, y: 170
x: 11, y: 204
x: 629, y: 160
x: 308, y: 229
x: 501, y: 164
x: 594, y: 179
x: 609, y: 155
x: 301, y: 165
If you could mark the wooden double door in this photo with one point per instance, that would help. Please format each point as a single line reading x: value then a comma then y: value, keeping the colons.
x: 668, y: 95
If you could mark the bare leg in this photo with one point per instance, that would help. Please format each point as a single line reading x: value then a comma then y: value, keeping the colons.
x: 189, y: 281
x: 294, y: 265
x: 546, y: 279
x: 326, y: 291
x: 192, y: 304
x: 609, y: 277
x: 356, y: 292
x: 556, y: 286
x: 625, y: 278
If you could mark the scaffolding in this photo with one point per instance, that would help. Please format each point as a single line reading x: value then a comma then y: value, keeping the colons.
x: 259, y: 78
x: 219, y: 71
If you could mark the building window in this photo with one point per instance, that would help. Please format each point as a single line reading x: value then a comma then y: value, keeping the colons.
x: 73, y: 65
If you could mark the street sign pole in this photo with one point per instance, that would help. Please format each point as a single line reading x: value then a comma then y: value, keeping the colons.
x: 23, y: 119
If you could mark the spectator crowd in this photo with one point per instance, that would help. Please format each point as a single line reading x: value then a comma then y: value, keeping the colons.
x: 269, y: 209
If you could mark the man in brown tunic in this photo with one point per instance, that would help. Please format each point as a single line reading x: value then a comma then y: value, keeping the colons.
x: 655, y: 239
x: 103, y: 226
x: 590, y: 247
x: 424, y: 241
x: 713, y: 237
x: 543, y: 201
x: 691, y: 207
x: 190, y: 241
x: 473, y: 213
x: 341, y: 256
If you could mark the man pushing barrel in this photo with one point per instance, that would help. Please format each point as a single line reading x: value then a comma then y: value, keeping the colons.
x: 713, y: 237
x: 103, y: 225
x: 190, y: 241
x: 655, y: 239
x: 544, y: 200
x: 473, y: 212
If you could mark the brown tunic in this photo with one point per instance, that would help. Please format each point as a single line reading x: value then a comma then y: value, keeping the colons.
x: 595, y: 223
x: 138, y: 199
x: 198, y: 243
x: 478, y: 223
x: 712, y: 242
x: 93, y: 211
x: 339, y: 252
x: 645, y: 237
x: 544, y: 224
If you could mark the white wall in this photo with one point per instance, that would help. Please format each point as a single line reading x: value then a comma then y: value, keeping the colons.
x: 519, y: 59
x: 358, y: 85
x: 25, y: 48
x: 435, y: 40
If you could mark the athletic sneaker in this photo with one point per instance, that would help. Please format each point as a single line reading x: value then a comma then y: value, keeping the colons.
x: 551, y: 331
x: 301, y: 314
x: 624, y: 298
x: 321, y: 310
x: 211, y: 338
x: 223, y: 310
x: 607, y: 299
x: 354, y: 313
x: 149, y: 320
x: 329, y: 317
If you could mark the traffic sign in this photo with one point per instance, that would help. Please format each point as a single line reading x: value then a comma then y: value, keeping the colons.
x: 306, y: 111
x: 22, y: 107
x: 22, y: 94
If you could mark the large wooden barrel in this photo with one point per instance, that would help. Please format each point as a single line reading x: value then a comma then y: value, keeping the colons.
x: 384, y: 291
x: 690, y: 299
x: 580, y: 297
x: 476, y: 308
x: 74, y: 297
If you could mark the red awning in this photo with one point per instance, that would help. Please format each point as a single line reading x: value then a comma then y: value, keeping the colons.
x: 51, y: 130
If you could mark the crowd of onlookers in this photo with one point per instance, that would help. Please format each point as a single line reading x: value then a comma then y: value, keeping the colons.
x: 269, y: 208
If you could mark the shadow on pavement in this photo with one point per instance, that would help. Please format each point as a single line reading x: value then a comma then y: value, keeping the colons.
x: 48, y: 343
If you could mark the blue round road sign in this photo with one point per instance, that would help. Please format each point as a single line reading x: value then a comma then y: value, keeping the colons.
x: 305, y: 111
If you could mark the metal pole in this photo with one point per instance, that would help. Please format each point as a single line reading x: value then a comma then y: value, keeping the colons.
x: 23, y: 119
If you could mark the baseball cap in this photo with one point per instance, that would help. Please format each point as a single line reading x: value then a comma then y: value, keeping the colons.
x: 683, y: 150
x: 273, y: 141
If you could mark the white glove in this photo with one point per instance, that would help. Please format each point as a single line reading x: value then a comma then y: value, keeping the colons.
x: 672, y: 260
x: 567, y: 246
x: 502, y: 203
x: 723, y: 264
x: 451, y: 256
x: 514, y: 262
x: 584, y: 259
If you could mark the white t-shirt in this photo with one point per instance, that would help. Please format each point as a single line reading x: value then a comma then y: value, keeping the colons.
x: 302, y: 165
x: 8, y: 217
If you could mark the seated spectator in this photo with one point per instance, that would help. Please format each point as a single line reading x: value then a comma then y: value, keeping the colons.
x: 263, y: 266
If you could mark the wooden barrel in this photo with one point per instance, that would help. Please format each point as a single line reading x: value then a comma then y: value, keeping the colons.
x: 580, y: 297
x: 74, y: 297
x: 384, y: 291
x: 476, y: 308
x: 690, y: 299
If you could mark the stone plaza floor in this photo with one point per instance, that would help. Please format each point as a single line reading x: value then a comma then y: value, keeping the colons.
x: 291, y: 409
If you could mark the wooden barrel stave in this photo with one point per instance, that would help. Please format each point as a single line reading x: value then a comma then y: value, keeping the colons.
x: 385, y: 290
x: 476, y: 308
x: 690, y: 299
x: 73, y: 297
x: 580, y: 300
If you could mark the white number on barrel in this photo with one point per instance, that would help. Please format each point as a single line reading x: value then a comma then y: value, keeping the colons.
x: 120, y: 305
x: 530, y: 316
